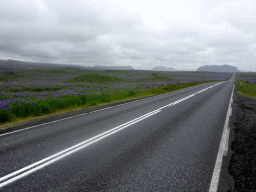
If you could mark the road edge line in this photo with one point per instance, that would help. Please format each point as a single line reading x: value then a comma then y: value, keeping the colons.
x: 223, y: 148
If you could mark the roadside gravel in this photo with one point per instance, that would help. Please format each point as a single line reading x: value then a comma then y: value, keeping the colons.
x: 242, y: 165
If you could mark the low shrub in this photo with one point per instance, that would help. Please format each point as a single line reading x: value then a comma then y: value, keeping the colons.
x: 246, y: 88
x: 6, y: 116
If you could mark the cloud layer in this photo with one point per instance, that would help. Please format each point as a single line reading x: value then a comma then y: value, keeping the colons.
x: 142, y: 34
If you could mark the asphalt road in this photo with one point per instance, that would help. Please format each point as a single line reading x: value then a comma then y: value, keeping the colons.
x: 168, y: 142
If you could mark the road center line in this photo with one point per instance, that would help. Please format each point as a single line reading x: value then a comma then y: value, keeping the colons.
x: 49, y: 160
x: 53, y: 158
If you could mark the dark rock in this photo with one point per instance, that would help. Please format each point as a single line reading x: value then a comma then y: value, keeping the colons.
x: 242, y: 164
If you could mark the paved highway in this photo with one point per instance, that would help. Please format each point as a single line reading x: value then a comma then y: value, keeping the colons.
x: 168, y: 142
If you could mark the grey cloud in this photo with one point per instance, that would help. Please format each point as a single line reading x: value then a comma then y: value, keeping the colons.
x: 240, y: 14
x: 10, y: 48
x: 16, y: 12
x: 6, y: 15
x: 107, y: 33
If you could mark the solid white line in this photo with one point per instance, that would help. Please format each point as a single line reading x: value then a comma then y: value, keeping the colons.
x: 49, y: 160
x: 79, y: 144
x: 92, y: 112
x: 65, y: 154
x: 223, y: 149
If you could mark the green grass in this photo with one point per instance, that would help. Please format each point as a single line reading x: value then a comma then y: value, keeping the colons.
x: 114, y: 78
x: 37, y: 89
x: 96, y: 78
x: 246, y: 88
x: 8, y: 75
x: 53, y: 105
x: 157, y: 77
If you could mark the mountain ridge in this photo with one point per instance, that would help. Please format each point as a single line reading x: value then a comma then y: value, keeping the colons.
x: 113, y: 67
x: 162, y: 68
x: 218, y: 68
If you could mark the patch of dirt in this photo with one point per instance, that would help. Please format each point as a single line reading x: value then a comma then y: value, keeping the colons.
x: 243, y: 160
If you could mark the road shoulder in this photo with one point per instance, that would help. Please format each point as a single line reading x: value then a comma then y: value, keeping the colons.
x: 242, y: 151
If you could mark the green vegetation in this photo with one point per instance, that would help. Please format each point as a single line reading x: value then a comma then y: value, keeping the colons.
x: 51, y: 72
x: 157, y: 77
x: 246, y: 88
x: 138, y: 76
x: 7, y: 75
x: 38, y: 89
x: 52, y: 105
x: 103, y: 78
x: 96, y: 78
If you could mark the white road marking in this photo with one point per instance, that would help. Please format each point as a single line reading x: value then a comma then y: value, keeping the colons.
x: 223, y: 149
x: 10, y: 178
x: 232, y: 77
x: 44, y: 162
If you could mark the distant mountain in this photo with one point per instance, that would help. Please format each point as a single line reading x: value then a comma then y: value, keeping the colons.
x: 99, y: 67
x: 161, y: 68
x: 15, y: 64
x: 218, y: 68
x: 11, y: 64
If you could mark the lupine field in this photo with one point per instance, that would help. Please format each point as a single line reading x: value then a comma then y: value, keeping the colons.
x: 246, y: 84
x: 32, y: 91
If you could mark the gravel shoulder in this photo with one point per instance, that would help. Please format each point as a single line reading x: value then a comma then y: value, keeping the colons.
x: 243, y: 147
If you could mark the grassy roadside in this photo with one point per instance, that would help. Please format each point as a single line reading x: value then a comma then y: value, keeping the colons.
x: 28, y: 111
x: 246, y: 88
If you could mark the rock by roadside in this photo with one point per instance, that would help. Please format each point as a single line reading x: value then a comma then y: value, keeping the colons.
x: 243, y: 160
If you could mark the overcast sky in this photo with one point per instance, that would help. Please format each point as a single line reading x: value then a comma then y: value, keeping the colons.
x: 183, y: 34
